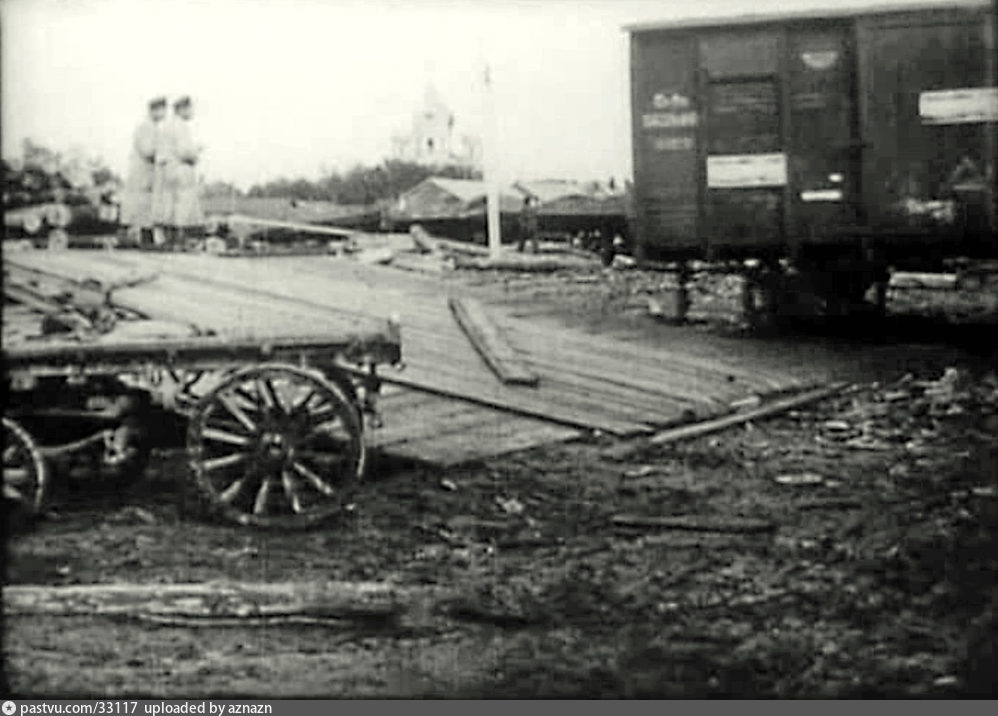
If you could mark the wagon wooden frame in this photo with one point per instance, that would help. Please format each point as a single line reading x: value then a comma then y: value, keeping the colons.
x: 274, y: 426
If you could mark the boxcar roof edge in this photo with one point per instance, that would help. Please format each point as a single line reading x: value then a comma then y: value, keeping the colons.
x: 826, y: 13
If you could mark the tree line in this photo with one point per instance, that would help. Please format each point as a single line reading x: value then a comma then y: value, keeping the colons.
x: 361, y: 184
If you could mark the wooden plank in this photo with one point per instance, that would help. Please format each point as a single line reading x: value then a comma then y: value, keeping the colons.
x: 694, y: 523
x: 630, y: 404
x: 692, y: 431
x: 539, y: 408
x: 324, y: 230
x: 460, y: 247
x: 615, y: 348
x: 195, y: 350
x: 448, y: 432
x: 487, y: 440
x: 636, y: 391
x: 42, y: 305
x: 446, y: 417
x: 777, y: 406
x: 488, y: 340
x: 536, y: 263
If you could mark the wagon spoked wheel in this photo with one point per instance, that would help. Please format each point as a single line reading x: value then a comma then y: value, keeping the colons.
x: 25, y: 477
x: 276, y: 446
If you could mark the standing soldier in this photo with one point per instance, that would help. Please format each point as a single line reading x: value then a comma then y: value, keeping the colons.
x: 528, y: 225
x: 183, y: 208
x: 137, y: 201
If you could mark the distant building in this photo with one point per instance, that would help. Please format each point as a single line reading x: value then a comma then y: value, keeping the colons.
x: 431, y: 140
x: 456, y: 208
x: 437, y: 197
x: 546, y: 190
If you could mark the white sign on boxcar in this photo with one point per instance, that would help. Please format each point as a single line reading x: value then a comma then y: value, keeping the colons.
x: 668, y: 120
x: 959, y: 106
x: 731, y: 171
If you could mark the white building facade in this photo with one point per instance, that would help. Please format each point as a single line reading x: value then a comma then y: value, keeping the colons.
x: 431, y: 140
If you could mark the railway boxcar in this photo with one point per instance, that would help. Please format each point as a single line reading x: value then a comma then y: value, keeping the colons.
x: 841, y: 142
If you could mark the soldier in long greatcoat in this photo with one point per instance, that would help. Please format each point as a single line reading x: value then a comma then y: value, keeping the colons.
x: 137, y: 200
x: 182, y: 210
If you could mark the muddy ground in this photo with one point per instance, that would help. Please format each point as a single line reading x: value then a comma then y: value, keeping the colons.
x: 852, y: 553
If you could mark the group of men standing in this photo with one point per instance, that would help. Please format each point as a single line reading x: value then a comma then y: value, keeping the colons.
x: 161, y: 202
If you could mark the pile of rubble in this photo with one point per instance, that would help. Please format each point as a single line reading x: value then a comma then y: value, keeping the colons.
x: 937, y: 538
x: 920, y: 415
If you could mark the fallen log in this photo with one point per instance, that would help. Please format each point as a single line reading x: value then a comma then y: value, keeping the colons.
x: 457, y: 247
x: 694, y: 523
x: 222, y: 603
x: 488, y: 340
x: 423, y: 263
x: 525, y: 263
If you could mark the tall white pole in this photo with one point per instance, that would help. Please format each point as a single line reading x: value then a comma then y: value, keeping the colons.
x: 490, y: 162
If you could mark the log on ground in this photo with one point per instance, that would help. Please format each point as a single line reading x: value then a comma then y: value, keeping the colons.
x: 222, y: 603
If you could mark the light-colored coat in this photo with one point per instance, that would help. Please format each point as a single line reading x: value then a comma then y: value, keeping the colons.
x: 137, y: 196
x: 181, y: 162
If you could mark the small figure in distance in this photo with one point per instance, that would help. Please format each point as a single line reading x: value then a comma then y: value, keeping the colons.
x: 528, y: 226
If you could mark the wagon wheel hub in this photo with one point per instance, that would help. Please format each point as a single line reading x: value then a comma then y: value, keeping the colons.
x: 276, y: 446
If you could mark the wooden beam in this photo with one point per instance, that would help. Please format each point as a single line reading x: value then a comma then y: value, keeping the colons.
x: 460, y: 247
x: 935, y: 281
x: 526, y: 263
x: 488, y: 340
x: 687, y: 432
x: 694, y: 523
x: 216, y: 603
x: 45, y: 306
x: 290, y: 225
x: 777, y: 406
x: 561, y: 416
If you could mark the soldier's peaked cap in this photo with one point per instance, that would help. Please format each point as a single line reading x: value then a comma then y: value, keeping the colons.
x: 157, y: 102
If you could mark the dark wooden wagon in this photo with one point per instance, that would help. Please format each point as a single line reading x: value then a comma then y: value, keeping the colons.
x: 274, y: 428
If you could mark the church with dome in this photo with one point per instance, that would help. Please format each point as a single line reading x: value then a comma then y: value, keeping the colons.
x: 431, y: 140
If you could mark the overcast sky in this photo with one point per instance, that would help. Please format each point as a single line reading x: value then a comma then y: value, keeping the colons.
x: 293, y: 87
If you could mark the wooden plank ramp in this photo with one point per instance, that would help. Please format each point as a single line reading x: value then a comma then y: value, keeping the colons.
x: 584, y: 381
x: 448, y: 432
